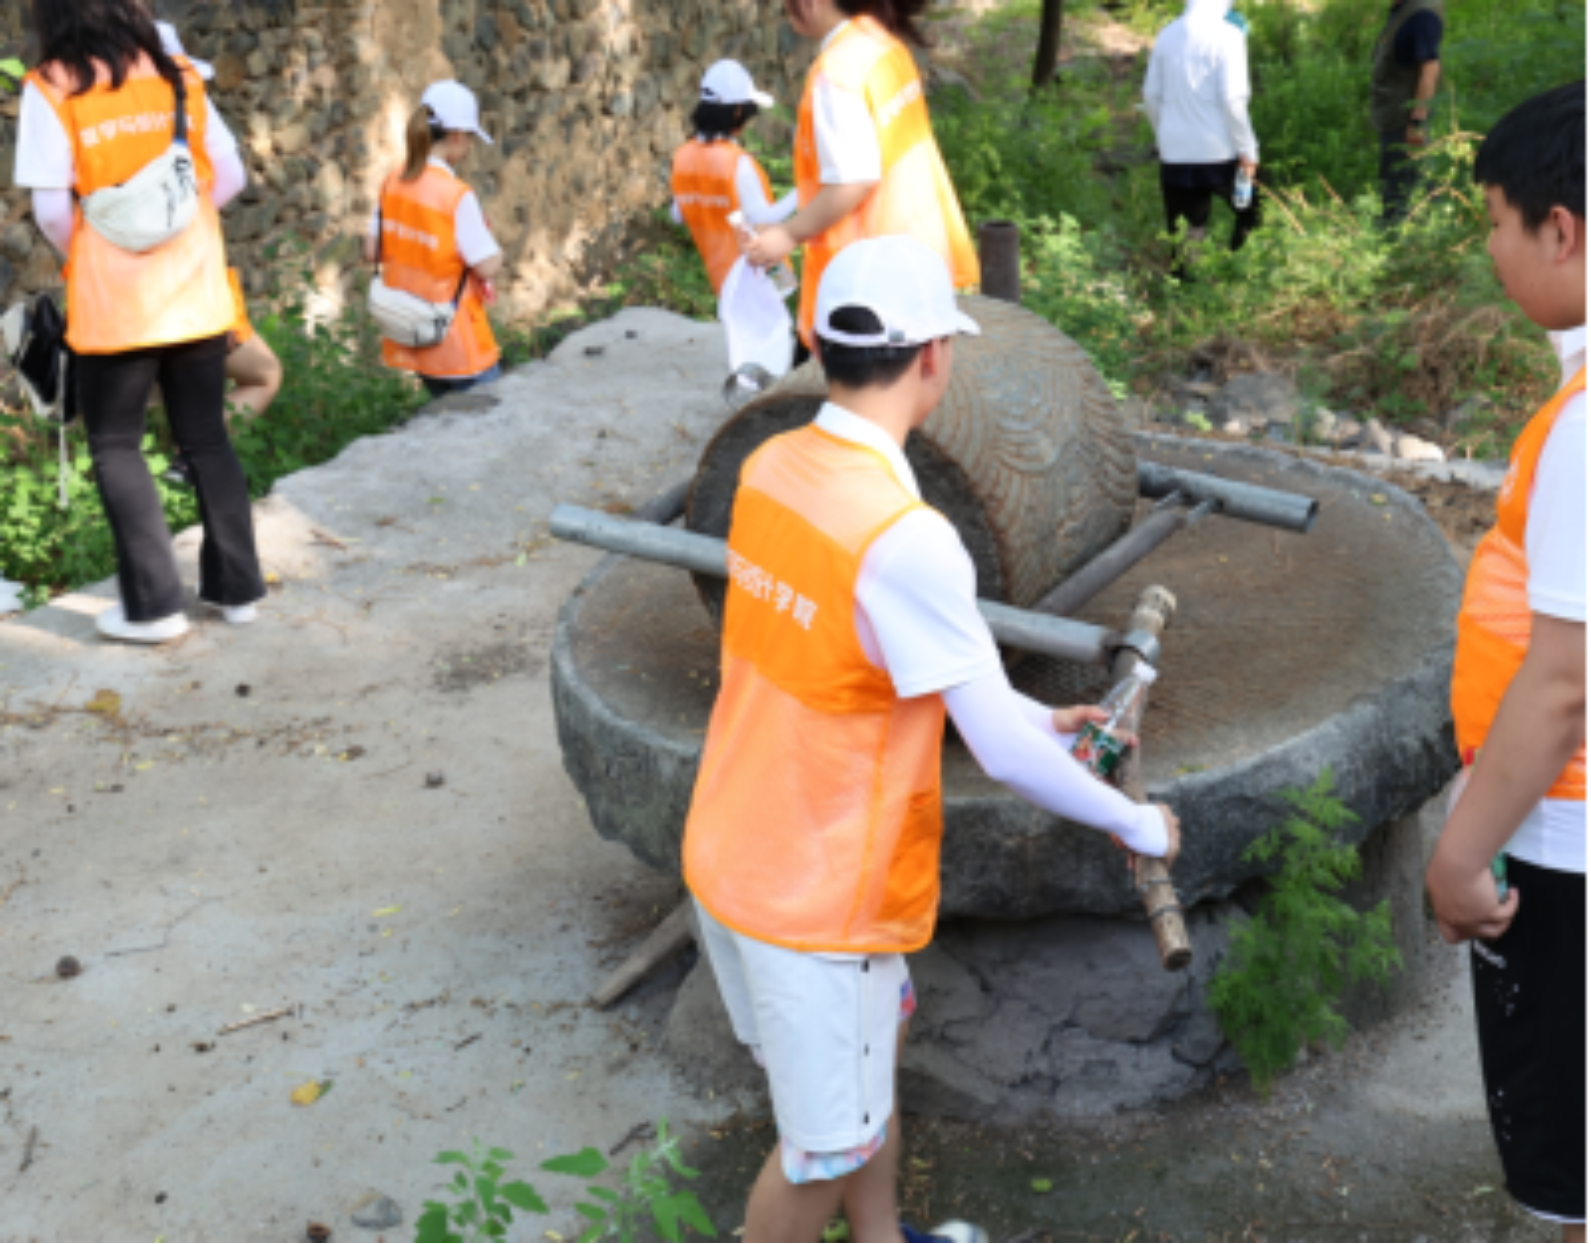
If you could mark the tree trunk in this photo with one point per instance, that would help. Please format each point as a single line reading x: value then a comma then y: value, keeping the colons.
x: 1049, y: 57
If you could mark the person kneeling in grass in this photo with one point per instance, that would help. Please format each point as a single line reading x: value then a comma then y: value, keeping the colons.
x: 1519, y: 696
x: 813, y: 842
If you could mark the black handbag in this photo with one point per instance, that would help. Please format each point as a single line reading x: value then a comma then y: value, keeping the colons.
x: 35, y: 343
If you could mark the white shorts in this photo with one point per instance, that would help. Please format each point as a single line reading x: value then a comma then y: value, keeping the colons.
x: 824, y: 1026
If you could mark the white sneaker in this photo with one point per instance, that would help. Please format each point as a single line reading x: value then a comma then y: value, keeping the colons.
x: 957, y: 1231
x: 236, y: 615
x: 113, y: 624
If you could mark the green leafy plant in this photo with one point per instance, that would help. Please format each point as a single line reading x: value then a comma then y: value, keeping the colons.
x: 1284, y: 977
x: 12, y: 71
x: 482, y: 1204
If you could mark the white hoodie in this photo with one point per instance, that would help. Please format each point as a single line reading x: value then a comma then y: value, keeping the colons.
x: 1197, y: 91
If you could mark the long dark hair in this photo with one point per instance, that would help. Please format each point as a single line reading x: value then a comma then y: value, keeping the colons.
x: 117, y: 33
x: 899, y: 17
x: 421, y: 134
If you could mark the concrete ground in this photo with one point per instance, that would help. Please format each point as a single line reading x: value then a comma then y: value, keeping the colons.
x: 248, y: 820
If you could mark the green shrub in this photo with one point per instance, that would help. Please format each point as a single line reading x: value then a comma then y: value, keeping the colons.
x: 482, y: 1204
x: 1285, y: 974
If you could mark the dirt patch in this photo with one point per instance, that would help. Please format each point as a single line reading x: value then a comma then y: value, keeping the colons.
x: 461, y: 670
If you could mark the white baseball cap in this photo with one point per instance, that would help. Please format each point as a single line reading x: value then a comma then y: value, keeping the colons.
x: 455, y: 108
x: 729, y: 82
x: 902, y: 281
x: 172, y: 42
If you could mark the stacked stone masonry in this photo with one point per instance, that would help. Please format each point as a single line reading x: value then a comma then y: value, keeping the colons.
x: 587, y: 100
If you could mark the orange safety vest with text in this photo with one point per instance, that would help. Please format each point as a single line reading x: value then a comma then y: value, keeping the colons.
x: 704, y: 188
x: 915, y: 196
x: 116, y: 300
x: 420, y: 255
x: 817, y: 818
x: 1494, y: 621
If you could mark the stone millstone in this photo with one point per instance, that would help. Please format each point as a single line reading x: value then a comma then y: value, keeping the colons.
x: 1027, y: 455
x: 1290, y: 655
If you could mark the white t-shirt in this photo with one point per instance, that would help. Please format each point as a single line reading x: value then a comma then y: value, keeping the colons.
x: 847, y: 138
x: 474, y: 237
x: 1554, y: 834
x: 916, y: 598
x: 44, y: 152
x: 1197, y: 89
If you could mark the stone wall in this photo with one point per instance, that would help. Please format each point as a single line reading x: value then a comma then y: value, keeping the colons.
x: 587, y: 100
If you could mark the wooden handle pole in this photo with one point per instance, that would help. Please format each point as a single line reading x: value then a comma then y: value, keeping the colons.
x: 1156, y: 607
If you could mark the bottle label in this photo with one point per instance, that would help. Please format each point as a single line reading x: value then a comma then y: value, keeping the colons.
x: 1098, y: 751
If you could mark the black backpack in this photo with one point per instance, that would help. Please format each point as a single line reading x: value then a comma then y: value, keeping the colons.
x: 34, y: 339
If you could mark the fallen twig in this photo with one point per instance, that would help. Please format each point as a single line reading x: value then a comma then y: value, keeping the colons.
x: 265, y: 1018
x: 320, y: 537
x: 27, y: 1150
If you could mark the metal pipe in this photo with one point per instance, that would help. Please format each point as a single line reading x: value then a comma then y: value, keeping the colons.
x: 1017, y: 628
x: 1000, y: 256
x: 1271, y: 506
x: 1170, y: 517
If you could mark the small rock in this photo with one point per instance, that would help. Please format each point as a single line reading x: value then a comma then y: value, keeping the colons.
x: 593, y: 351
x: 67, y: 967
x: 1413, y: 449
x: 1347, y: 430
x: 1280, y: 432
x: 1238, y: 425
x: 1427, y: 429
x: 1466, y: 410
x: 376, y: 1212
x: 317, y: 1233
x: 244, y: 690
x: 435, y: 779
x: 1323, y: 426
x: 16, y: 241
x: 1376, y: 438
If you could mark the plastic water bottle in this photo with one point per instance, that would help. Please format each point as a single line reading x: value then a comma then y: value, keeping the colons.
x: 1243, y: 191
x: 1101, y: 745
x: 781, y: 274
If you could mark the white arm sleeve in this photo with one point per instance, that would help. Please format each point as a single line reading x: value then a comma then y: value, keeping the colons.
x: 1036, y: 764
x: 674, y: 214
x: 475, y: 240
x: 1242, y: 129
x: 53, y: 212
x: 230, y: 178
x: 1236, y: 91
x: 754, y: 203
x: 1153, y: 97
x: 44, y: 152
x: 219, y: 142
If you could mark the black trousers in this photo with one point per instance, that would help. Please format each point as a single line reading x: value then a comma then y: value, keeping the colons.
x: 1191, y: 198
x: 115, y: 389
x: 1530, y: 1014
x: 1400, y: 177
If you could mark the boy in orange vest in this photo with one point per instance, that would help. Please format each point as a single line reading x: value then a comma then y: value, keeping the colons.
x: 1519, y: 696
x: 813, y: 842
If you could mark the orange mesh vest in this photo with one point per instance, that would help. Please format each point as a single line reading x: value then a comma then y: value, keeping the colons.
x: 704, y: 188
x: 915, y: 196
x: 1495, y: 619
x: 420, y: 255
x: 115, y: 300
x: 816, y: 822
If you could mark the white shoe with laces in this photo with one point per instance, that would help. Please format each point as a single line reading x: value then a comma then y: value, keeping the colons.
x: 236, y: 615
x: 113, y: 624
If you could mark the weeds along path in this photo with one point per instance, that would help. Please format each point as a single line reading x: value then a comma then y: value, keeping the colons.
x: 245, y: 821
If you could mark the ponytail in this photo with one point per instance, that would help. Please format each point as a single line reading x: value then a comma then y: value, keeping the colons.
x: 421, y: 133
x: 899, y: 17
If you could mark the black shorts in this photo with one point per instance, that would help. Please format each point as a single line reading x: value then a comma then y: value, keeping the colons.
x: 1530, y: 1003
